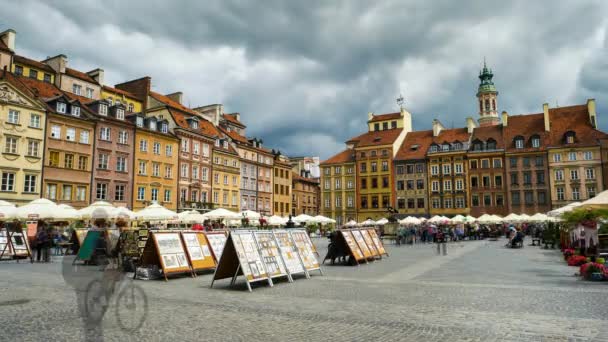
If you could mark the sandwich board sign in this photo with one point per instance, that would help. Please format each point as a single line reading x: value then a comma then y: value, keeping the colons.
x: 304, y: 245
x: 166, y: 250
x: 241, y: 256
x: 289, y: 252
x: 88, y: 246
x: 361, y: 243
x: 197, y: 249
x: 216, y: 244
x: 14, y: 244
x: 269, y: 250
x: 377, y: 243
x: 353, y: 247
x: 370, y: 243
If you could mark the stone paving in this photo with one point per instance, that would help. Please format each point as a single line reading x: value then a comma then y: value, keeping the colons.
x: 480, y: 291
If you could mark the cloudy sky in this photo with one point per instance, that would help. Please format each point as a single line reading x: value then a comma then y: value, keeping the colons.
x: 304, y: 74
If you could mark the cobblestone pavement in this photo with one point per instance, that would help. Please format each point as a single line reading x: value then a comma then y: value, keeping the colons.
x: 480, y: 291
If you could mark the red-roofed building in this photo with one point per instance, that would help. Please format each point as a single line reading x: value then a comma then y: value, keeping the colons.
x: 305, y: 193
x: 73, y: 81
x: 24, y: 66
x: 338, y: 183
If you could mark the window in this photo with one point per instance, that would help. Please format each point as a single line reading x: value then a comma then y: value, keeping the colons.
x: 375, y: 203
x: 77, y: 89
x: 142, y: 168
x: 498, y: 181
x: 570, y: 137
x: 66, y: 192
x: 542, y: 197
x: 374, y: 183
x: 338, y: 202
x: 141, y: 193
x: 571, y: 156
x: 152, y: 125
x: 155, y: 169
x: 225, y: 180
x: 447, y: 185
x: 499, y: 200
x: 167, y: 196
x: 169, y: 150
x: 419, y: 184
x: 539, y: 161
x: 540, y: 177
x: 51, y: 191
x: 196, y: 147
x: 485, y: 163
x: 514, y: 178
x: 204, y: 175
x: 435, y: 186
x: 447, y: 169
x: 61, y: 107
x: 156, y: 148
x: 576, y: 194
x: 184, y: 171
x: 121, y: 164
x: 473, y: 164
x: 385, y: 182
x: 559, y: 175
x: 205, y: 150
x: 497, y: 163
x: 458, y: 169
x: 362, y: 167
x: 216, y: 197
x: 526, y: 161
x: 13, y: 116
x: 338, y: 184
x: 103, y: 110
x: 513, y: 162
x: 588, y: 155
x: 420, y: 203
x: 557, y: 157
x: 84, y: 137
x: 131, y: 108
x: 385, y: 165
x: 349, y: 184
x: 374, y: 166
x: 474, y: 182
x: 459, y: 185
x: 29, y: 184
x: 194, y: 172
x: 143, y: 145
x: 400, y: 185
x: 102, y: 191
x: 8, y: 181
x: 154, y: 195
x: 54, y: 158
x: 82, y: 163
x: 535, y: 142
x: 445, y: 147
x: 89, y: 93
x: 55, y: 132
x: 34, y: 120
x: 519, y: 143
x: 487, y: 200
x: 527, y: 178
x: 528, y: 197
x: 75, y: 110
x: 103, y: 161
x: 139, y: 121
x: 435, y: 203
x: 10, y: 145
x: 164, y: 127
x: 433, y: 148
x: 18, y: 70
x: 434, y: 170
x: 560, y: 193
x: 363, y: 184
x: 515, y: 198
x: 169, y: 171
x: 33, y: 146
x: 447, y: 203
x: 485, y: 181
x: 185, y: 145
x: 574, y: 174
x: 120, y: 114
x: 591, y: 191
x: 123, y: 136
x: 119, y: 192
x: 590, y: 173
x: 68, y: 161
x: 104, y: 134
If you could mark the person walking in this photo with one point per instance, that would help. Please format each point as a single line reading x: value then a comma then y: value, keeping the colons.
x: 41, y: 240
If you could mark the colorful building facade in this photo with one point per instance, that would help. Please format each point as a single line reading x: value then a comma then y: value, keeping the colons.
x: 338, y: 188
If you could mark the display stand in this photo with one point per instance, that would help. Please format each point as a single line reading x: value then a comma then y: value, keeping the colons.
x: 272, y: 258
x: 367, y: 253
x: 241, y: 256
x: 289, y: 253
x: 87, y: 248
x: 217, y: 241
x: 166, y: 250
x: 353, y: 248
x: 198, y: 251
x: 370, y: 243
x: 305, y: 249
x: 14, y: 245
x: 377, y: 243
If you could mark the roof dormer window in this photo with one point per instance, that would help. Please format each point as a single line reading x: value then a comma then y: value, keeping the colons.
x: 194, y: 124
x: 164, y: 127
x: 445, y: 147
x: 457, y: 145
x: 519, y: 142
x: 491, y: 144
x: 569, y: 137
x: 75, y: 110
x: 217, y: 143
x: 139, y: 121
x: 61, y: 107
x: 103, y: 110
x: 120, y: 114
x: 433, y: 148
x: 225, y: 144
x: 535, y: 141
x: 152, y: 125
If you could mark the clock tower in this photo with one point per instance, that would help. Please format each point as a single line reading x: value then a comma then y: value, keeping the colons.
x: 487, y: 98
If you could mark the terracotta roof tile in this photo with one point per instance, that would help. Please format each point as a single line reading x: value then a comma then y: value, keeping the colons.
x: 382, y: 117
x: 296, y: 177
x: 384, y: 137
x: 525, y: 126
x: 82, y: 99
x: 235, y: 136
x: 121, y: 92
x: 409, y: 150
x: 45, y: 90
x: 452, y: 135
x: 345, y: 156
x: 30, y: 62
x: 575, y: 119
x: 79, y: 75
x: 174, y: 104
x: 16, y: 82
x: 232, y: 118
x: 484, y: 133
x: 205, y: 127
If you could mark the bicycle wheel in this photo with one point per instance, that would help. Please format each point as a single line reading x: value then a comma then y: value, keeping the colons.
x: 95, y: 302
x: 131, y: 308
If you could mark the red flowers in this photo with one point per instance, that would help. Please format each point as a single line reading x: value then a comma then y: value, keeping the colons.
x: 589, y: 268
x: 576, y: 260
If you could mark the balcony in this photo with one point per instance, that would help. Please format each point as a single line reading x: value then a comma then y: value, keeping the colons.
x: 196, y: 205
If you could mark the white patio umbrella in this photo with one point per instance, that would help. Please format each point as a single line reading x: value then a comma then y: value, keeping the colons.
x: 250, y: 214
x: 351, y: 223
x: 382, y: 221
x: 410, y: 220
x: 469, y: 219
x: 221, y: 213
x: 303, y: 218
x: 512, y: 217
x: 368, y: 222
x: 496, y: 218
x: 538, y: 217
x: 155, y: 212
x: 7, y: 210
x: 43, y: 209
x: 487, y: 219
x: 524, y: 218
x: 123, y: 213
x: 598, y: 202
x: 275, y: 220
x: 458, y: 219
x: 438, y: 219
x: 190, y: 216
x: 323, y: 220
x: 70, y: 209
x: 102, y: 209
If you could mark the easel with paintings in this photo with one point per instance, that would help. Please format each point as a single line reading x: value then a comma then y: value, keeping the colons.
x: 14, y: 243
x: 305, y: 249
x: 217, y: 241
x: 198, y: 250
x: 289, y: 253
x: 354, y: 251
x: 365, y: 249
x: 272, y: 258
x: 377, y: 242
x: 241, y: 256
x: 367, y: 238
x: 166, y: 250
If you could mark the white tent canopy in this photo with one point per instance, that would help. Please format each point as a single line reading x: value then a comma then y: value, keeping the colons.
x: 190, y: 216
x: 43, y: 209
x: 559, y: 211
x: 410, y: 220
x: 597, y: 202
x: 123, y: 213
x: 382, y: 221
x: 250, y: 214
x: 221, y: 213
x: 7, y: 210
x: 275, y: 220
x: 303, y: 218
x: 438, y: 219
x: 512, y: 218
x: 351, y: 223
x: 155, y: 212
x: 368, y: 222
x: 470, y: 219
x: 538, y: 217
x: 322, y: 219
x: 99, y: 209
x: 489, y: 219
x: 458, y: 219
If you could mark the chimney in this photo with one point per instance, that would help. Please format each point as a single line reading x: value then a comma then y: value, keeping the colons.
x: 8, y: 38
x: 471, y: 125
x: 505, y: 118
x: 546, y: 117
x: 591, y: 111
x: 177, y: 96
x: 57, y: 63
x: 370, y: 116
x: 97, y: 75
x: 139, y: 87
x: 237, y: 116
x: 437, y: 127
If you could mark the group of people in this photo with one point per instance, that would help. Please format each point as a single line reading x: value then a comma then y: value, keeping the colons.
x: 428, y: 233
x: 47, y: 238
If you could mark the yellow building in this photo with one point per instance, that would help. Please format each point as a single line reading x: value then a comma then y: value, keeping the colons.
x: 156, y: 162
x: 338, y: 187
x: 23, y: 66
x: 226, y: 176
x: 282, y: 185
x: 130, y: 101
x: 22, y: 122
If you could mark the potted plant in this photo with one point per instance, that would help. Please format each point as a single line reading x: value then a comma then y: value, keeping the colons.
x: 576, y: 260
x: 592, y: 271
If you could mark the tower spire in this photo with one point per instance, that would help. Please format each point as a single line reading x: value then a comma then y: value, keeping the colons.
x: 487, y: 97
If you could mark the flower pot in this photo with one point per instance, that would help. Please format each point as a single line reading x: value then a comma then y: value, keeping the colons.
x: 596, y: 276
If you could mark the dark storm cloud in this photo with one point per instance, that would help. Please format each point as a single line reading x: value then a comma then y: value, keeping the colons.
x: 304, y: 74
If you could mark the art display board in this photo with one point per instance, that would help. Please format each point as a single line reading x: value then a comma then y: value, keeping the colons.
x: 304, y: 246
x: 379, y: 245
x: 241, y: 256
x: 88, y: 246
x: 166, y: 249
x: 353, y: 247
x: 272, y: 258
x: 6, y: 251
x: 289, y: 252
x: 217, y: 241
x: 362, y: 245
x: 32, y: 229
x: 369, y: 242
x: 198, y: 251
x: 20, y: 245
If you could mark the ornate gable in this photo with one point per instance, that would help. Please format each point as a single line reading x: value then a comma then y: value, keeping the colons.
x: 10, y: 95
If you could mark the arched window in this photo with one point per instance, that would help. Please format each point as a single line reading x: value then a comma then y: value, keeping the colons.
x: 480, y: 106
x: 477, y: 145
x: 487, y: 105
x: 519, y: 141
x: 493, y: 104
x: 535, y: 141
x: 491, y: 144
